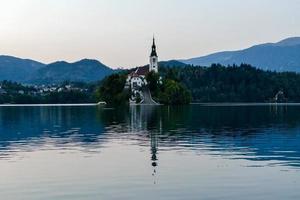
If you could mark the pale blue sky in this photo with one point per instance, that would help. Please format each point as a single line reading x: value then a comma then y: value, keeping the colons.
x: 119, y: 32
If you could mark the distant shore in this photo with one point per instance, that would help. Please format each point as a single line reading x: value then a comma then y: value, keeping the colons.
x: 47, y: 105
x: 247, y: 104
x: 195, y: 103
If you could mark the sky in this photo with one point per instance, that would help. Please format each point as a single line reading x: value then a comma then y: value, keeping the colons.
x: 119, y: 32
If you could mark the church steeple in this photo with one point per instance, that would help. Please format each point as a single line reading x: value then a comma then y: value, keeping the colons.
x: 153, y: 58
x: 153, y: 52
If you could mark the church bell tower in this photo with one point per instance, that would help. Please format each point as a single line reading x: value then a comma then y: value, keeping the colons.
x: 153, y: 58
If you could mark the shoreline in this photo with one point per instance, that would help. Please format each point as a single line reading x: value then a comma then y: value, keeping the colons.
x: 246, y: 104
x: 228, y: 104
x: 195, y: 103
x: 48, y: 105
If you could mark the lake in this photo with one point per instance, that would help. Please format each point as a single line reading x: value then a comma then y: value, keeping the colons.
x: 188, y: 152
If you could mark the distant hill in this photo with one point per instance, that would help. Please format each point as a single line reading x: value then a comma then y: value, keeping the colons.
x: 30, y: 71
x: 172, y: 63
x: 281, y: 56
x: 17, y: 69
x: 169, y: 63
x: 84, y: 70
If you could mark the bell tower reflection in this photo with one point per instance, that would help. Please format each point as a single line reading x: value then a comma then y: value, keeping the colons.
x: 147, y: 119
x: 154, y: 149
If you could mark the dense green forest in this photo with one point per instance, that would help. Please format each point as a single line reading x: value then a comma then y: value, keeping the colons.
x: 111, y: 90
x: 242, y: 83
x: 167, y: 90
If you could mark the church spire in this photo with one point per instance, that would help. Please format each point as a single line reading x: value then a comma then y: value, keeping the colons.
x: 153, y: 52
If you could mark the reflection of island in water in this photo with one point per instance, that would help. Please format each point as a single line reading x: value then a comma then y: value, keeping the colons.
x: 142, y: 118
x: 257, y: 133
x: 240, y: 132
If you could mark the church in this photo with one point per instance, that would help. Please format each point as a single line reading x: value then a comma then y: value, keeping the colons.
x: 137, y: 79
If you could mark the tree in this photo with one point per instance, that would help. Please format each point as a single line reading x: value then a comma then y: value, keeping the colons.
x: 174, y: 93
x: 112, y: 90
x: 152, y: 79
x: 242, y: 83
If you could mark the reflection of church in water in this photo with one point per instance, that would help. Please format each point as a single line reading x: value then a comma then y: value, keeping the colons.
x: 146, y: 118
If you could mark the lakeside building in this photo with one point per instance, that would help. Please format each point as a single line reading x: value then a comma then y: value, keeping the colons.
x: 136, y: 80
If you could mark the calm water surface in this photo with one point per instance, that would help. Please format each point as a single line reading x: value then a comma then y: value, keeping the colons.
x: 189, y: 152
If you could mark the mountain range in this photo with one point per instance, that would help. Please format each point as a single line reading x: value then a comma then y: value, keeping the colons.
x: 280, y: 56
x: 85, y: 70
x: 33, y: 72
x: 17, y: 69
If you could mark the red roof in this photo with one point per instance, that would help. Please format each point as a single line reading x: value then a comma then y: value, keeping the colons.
x: 142, y: 71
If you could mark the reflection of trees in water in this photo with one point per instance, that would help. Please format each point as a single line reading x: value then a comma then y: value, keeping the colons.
x: 242, y: 131
x: 212, y: 128
x: 112, y: 116
x: 32, y: 127
x: 144, y: 118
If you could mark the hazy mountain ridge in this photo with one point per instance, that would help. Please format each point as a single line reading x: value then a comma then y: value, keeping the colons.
x: 280, y: 56
x: 30, y: 71
x: 172, y: 63
x: 17, y: 69
x: 168, y: 63
x: 85, y: 70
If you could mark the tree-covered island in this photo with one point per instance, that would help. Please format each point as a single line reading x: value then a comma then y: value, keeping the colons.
x: 219, y: 84
x: 113, y: 90
x: 144, y: 86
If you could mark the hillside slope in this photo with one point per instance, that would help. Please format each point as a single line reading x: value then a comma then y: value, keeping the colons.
x: 281, y: 56
x: 17, y: 69
x: 85, y: 70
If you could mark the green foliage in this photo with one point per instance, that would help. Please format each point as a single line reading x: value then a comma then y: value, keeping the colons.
x: 67, y: 97
x: 242, y: 83
x: 112, y: 90
x: 170, y: 92
x: 4, y: 98
x: 153, y: 81
x: 138, y: 98
x: 11, y: 87
x: 174, y: 93
x: 19, y: 94
x: 25, y: 99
